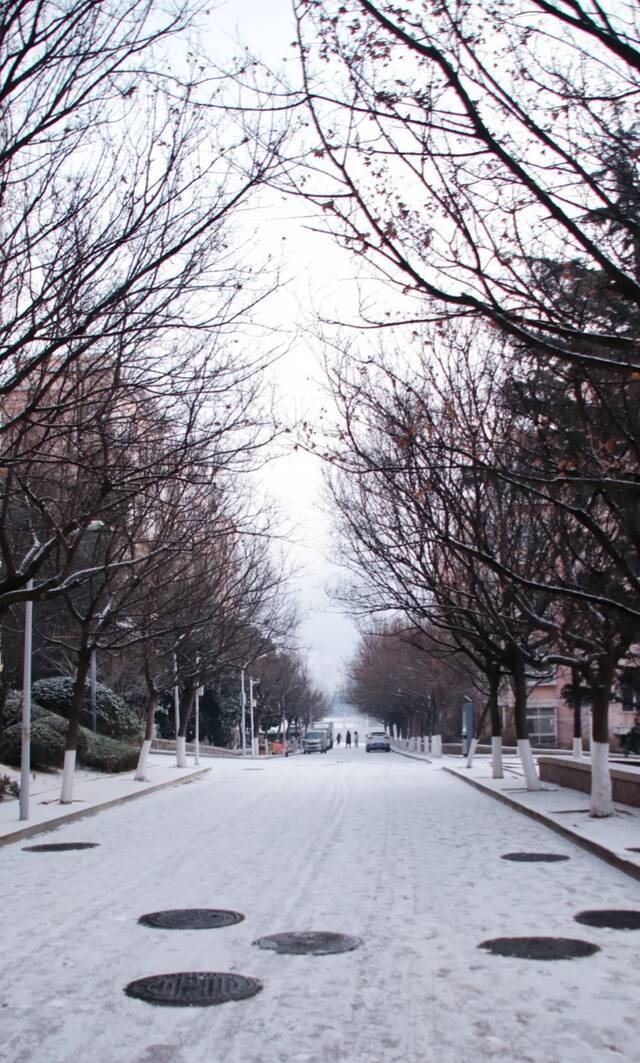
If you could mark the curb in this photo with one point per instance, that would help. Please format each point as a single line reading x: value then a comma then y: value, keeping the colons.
x: 412, y: 756
x: 59, y: 821
x: 592, y: 847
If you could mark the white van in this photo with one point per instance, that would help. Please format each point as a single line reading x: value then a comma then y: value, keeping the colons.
x: 315, y: 741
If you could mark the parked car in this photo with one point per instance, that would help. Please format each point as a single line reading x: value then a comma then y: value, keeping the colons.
x: 315, y: 742
x: 328, y: 730
x: 378, y: 740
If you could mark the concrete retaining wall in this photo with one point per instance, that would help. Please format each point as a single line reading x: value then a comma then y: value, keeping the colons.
x: 576, y: 774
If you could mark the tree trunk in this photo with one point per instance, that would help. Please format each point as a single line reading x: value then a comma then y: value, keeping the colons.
x: 493, y: 675
x: 472, y: 749
x: 186, y: 708
x: 152, y: 701
x: 601, y: 683
x: 520, y: 717
x: 4, y: 689
x: 75, y: 715
x: 576, y: 699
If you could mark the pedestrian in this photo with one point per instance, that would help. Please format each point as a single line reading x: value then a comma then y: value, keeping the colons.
x: 338, y: 737
x: 355, y: 738
x: 347, y: 740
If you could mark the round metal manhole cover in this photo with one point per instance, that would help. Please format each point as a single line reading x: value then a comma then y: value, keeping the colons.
x: 193, y: 989
x: 540, y: 948
x: 191, y: 919
x: 534, y: 858
x: 309, y: 942
x: 611, y: 918
x: 59, y: 847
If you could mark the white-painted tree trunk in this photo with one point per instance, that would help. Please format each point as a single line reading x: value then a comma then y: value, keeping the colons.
x: 601, y: 800
x: 472, y: 749
x: 181, y: 752
x: 496, y: 757
x: 141, y: 769
x: 577, y: 748
x: 66, y: 793
x: 436, y: 746
x: 528, y: 765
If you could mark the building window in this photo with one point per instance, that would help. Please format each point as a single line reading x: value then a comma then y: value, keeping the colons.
x: 541, y: 726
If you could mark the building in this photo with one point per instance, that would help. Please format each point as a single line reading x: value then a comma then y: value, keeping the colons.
x: 550, y: 718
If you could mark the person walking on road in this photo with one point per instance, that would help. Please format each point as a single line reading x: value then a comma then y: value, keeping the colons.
x: 338, y: 737
x: 355, y: 739
x: 347, y: 740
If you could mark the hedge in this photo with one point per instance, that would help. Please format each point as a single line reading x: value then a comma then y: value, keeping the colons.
x: 107, y: 754
x: 13, y: 709
x: 114, y: 717
x: 48, y: 740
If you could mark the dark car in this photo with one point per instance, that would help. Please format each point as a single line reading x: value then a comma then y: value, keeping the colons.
x: 378, y: 740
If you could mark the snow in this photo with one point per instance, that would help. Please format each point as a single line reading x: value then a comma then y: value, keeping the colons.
x: 90, y: 789
x: 561, y: 806
x: 391, y: 849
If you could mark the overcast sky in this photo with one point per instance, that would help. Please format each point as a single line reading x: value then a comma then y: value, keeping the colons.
x: 318, y: 276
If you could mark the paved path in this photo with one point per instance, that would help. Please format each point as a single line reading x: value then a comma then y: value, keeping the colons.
x: 387, y: 848
x: 92, y: 792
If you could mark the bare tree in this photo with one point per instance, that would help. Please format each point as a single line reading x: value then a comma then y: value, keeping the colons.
x: 117, y: 283
x: 459, y: 148
x: 401, y: 676
x: 438, y: 525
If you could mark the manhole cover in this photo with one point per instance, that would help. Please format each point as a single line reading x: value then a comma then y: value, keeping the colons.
x: 191, y: 919
x: 539, y: 948
x: 312, y: 942
x: 59, y: 847
x: 196, y: 989
x: 615, y: 918
x: 534, y: 858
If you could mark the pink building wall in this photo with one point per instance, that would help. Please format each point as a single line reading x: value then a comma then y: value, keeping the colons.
x: 551, y: 719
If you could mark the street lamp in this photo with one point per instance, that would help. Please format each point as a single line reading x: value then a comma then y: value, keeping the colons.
x: 181, y: 759
x: 252, y: 682
x: 467, y: 725
x: 199, y: 693
x: 243, y: 715
x: 243, y: 702
x: 25, y: 750
x: 94, y: 526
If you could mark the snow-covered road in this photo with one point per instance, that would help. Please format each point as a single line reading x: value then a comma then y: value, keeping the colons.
x: 380, y: 846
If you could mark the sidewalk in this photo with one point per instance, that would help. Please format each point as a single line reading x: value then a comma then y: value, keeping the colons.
x: 562, y: 810
x: 92, y: 792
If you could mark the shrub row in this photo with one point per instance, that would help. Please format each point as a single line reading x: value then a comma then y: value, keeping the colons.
x: 114, y: 717
x: 102, y: 751
x: 48, y: 738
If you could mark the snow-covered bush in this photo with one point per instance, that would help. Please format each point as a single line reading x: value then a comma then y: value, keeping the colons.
x: 8, y: 787
x: 48, y: 737
x: 106, y: 754
x: 13, y: 709
x: 113, y: 716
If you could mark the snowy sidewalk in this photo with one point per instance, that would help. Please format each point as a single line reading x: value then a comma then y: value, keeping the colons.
x: 92, y: 792
x: 566, y: 811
